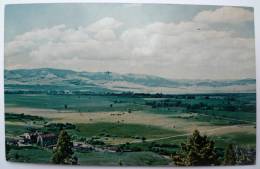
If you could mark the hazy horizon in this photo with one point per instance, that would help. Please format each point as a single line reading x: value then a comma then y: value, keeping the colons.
x: 205, y: 42
x: 123, y: 73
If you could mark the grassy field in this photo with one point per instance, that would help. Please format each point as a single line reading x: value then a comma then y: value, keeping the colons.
x: 248, y: 139
x: 76, y: 103
x: 14, y: 130
x: 240, y: 106
x: 151, y: 127
x: 39, y: 155
x: 31, y: 154
x: 127, y: 158
x: 122, y: 130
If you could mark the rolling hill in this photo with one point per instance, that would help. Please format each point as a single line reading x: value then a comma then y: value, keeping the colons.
x: 48, y: 79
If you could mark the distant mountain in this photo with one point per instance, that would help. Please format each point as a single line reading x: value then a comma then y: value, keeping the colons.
x: 48, y: 79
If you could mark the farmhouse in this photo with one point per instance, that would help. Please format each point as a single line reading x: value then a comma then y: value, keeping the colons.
x: 47, y: 140
x: 30, y: 137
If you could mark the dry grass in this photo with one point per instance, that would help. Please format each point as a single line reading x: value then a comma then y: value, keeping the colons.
x: 131, y: 118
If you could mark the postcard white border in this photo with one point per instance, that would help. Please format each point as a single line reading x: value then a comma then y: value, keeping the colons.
x: 249, y: 3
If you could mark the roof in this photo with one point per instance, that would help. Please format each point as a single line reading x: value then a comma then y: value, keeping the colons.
x: 48, y: 135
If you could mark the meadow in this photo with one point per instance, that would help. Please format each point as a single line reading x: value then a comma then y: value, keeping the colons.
x: 143, y: 129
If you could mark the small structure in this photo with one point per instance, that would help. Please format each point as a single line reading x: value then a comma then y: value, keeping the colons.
x: 47, y: 140
x: 83, y: 147
x: 30, y: 137
x: 67, y: 92
x: 12, y: 142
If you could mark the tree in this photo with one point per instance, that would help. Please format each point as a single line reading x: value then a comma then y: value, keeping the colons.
x: 143, y: 139
x: 7, y: 150
x: 16, y: 156
x: 230, y: 156
x: 198, y: 151
x: 245, y: 155
x: 74, y: 160
x: 62, y: 154
x: 120, y: 162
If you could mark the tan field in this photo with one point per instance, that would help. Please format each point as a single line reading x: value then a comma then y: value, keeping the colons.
x: 134, y: 118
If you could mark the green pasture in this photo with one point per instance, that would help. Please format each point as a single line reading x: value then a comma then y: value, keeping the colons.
x: 121, y: 130
x: 238, y: 106
x: 30, y: 154
x: 33, y: 154
x: 248, y: 139
x: 125, y: 158
x: 75, y: 103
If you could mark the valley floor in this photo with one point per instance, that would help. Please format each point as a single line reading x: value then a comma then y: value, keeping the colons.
x: 117, y: 121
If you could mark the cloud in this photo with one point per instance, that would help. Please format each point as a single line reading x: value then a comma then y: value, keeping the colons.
x: 192, y: 53
x: 132, y: 5
x: 105, y: 35
x: 105, y: 23
x: 174, y: 50
x: 225, y: 15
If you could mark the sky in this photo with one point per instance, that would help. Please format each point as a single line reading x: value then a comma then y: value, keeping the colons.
x: 171, y: 41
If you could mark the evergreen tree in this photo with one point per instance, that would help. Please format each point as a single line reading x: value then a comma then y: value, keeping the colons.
x: 63, y: 152
x: 74, y: 160
x: 120, y: 162
x: 245, y: 155
x: 7, y: 150
x: 198, y: 151
x: 230, y: 156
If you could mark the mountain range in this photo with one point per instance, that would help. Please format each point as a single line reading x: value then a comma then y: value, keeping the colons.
x: 49, y: 79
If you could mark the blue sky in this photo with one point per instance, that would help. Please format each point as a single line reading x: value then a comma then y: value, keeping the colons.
x: 23, y: 18
x: 148, y: 39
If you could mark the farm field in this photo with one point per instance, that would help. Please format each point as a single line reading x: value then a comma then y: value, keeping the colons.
x: 129, y: 129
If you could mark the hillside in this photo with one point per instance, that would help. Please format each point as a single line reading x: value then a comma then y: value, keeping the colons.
x: 48, y: 79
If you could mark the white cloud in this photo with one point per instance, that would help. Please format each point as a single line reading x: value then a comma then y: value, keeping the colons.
x: 132, y: 5
x: 225, y: 15
x: 105, y: 23
x: 174, y: 50
x: 191, y: 52
x: 105, y: 35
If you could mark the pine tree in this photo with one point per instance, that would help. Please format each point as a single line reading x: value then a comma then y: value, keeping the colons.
x: 7, y: 150
x: 230, y: 156
x: 198, y: 151
x: 120, y: 162
x: 63, y: 152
